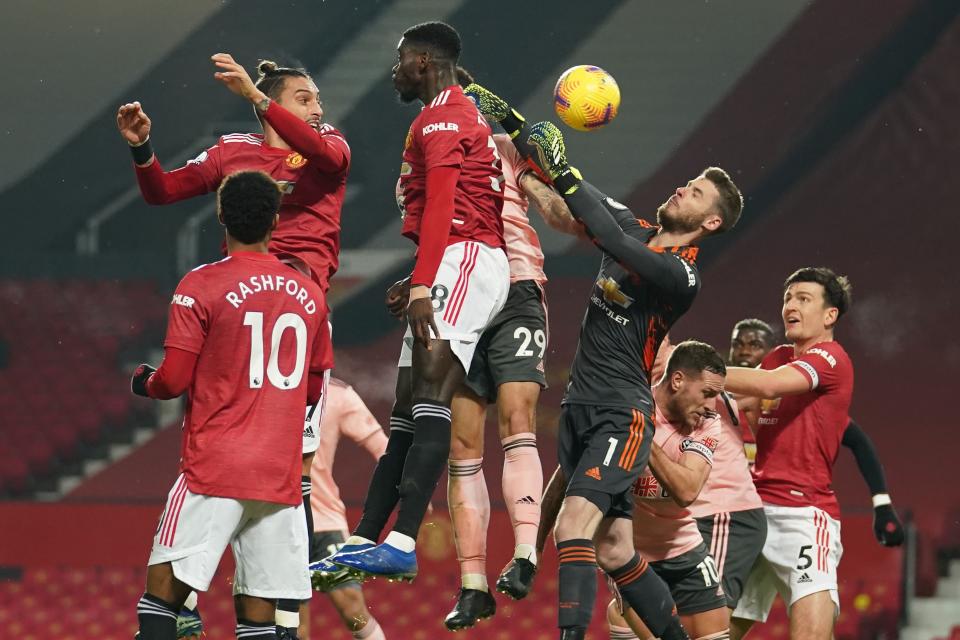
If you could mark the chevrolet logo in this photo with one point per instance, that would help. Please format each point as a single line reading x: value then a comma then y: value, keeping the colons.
x: 612, y: 293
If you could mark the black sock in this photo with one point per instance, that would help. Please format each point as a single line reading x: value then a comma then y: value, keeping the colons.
x: 425, y: 464
x: 649, y: 597
x: 578, y: 583
x: 158, y: 619
x: 247, y: 630
x: 383, y: 493
x: 305, y: 486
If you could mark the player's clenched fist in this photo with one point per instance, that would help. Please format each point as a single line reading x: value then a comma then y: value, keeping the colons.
x: 420, y: 315
x: 138, y: 383
x: 133, y: 123
x: 235, y: 77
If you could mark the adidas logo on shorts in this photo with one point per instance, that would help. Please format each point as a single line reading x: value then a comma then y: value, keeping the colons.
x: 803, y: 579
x: 593, y: 473
x: 308, y: 431
x: 526, y: 500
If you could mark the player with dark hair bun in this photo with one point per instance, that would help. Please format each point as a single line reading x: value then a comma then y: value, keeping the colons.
x: 307, y: 158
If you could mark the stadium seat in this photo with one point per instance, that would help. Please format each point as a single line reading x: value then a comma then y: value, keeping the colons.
x: 63, y: 383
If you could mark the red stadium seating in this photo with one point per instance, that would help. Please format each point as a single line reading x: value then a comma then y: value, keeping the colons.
x: 63, y: 384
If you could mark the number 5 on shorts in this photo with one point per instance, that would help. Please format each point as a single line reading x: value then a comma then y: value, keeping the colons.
x: 803, y: 560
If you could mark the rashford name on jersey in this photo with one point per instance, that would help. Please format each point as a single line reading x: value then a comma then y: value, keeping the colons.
x: 264, y: 282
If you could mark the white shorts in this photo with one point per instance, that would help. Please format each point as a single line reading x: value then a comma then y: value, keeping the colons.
x: 799, y: 558
x: 269, y: 543
x: 470, y: 289
x: 311, y: 423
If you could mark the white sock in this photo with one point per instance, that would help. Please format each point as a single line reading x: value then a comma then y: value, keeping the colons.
x: 527, y: 552
x: 476, y: 581
x: 400, y: 541
x: 358, y: 540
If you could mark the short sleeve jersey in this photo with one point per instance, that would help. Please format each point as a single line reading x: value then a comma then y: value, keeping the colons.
x: 662, y: 529
x: 799, y: 435
x: 729, y: 487
x: 450, y: 132
x: 345, y: 415
x: 257, y: 327
x: 523, y: 243
x: 626, y: 320
x: 309, y: 225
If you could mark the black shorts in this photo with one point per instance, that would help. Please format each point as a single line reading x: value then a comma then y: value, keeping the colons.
x: 511, y: 349
x: 602, y: 452
x: 326, y: 543
x: 735, y: 541
x: 693, y: 580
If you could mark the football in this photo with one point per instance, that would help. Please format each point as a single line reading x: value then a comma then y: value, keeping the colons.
x: 586, y: 97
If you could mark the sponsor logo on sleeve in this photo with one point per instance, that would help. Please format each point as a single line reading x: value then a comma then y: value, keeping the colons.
x: 183, y: 300
x: 691, y: 276
x: 200, y: 159
x: 440, y: 126
x: 823, y: 353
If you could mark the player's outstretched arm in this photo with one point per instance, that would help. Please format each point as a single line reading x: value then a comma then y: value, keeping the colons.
x: 886, y: 523
x: 495, y: 108
x: 683, y: 480
x: 134, y: 126
x: 551, y: 206
x: 766, y: 383
x: 328, y: 151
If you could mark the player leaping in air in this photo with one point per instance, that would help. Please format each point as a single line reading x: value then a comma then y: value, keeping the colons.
x: 451, y: 202
x: 310, y: 161
x: 648, y: 279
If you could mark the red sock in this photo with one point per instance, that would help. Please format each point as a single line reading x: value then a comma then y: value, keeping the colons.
x: 470, y: 514
x: 522, y: 486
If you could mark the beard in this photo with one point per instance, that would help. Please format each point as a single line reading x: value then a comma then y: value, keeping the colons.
x: 676, y: 222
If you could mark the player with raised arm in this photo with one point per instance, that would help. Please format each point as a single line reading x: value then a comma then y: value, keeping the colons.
x: 508, y: 368
x: 752, y: 339
x: 309, y: 159
x: 451, y: 202
x: 247, y: 340
x: 647, y: 280
x: 806, y: 387
x: 665, y: 533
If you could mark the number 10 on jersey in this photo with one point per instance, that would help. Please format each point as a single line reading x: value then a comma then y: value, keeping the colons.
x: 254, y: 320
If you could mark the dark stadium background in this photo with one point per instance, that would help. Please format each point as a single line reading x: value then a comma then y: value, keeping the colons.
x: 837, y: 119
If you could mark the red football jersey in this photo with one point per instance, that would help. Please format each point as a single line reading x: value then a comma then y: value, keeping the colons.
x: 313, y: 196
x: 799, y: 436
x: 450, y: 132
x: 259, y: 328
